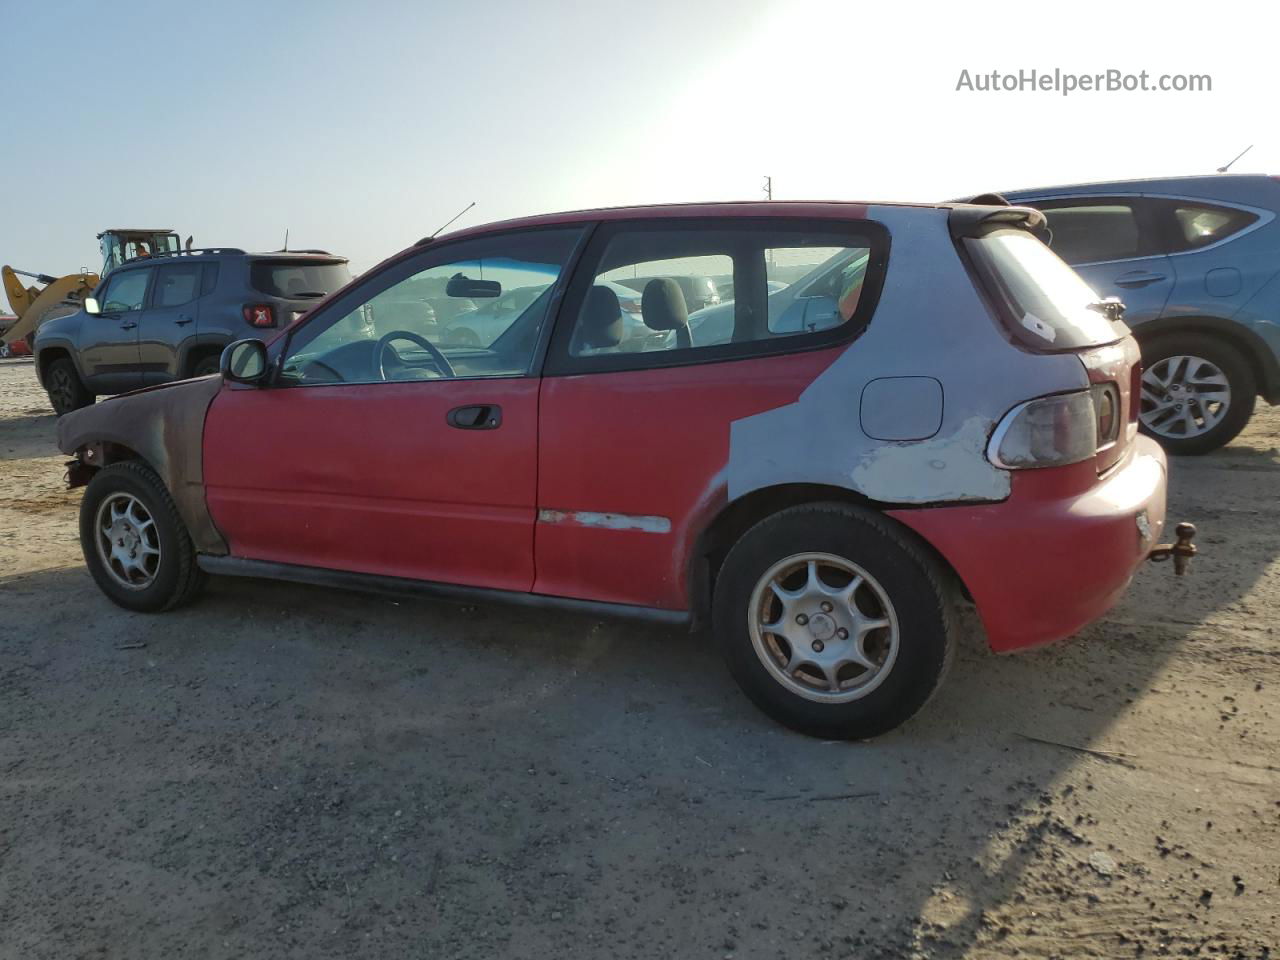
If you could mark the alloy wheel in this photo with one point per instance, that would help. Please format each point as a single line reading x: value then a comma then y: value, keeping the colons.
x: 1184, y: 396
x: 127, y: 540
x: 823, y: 627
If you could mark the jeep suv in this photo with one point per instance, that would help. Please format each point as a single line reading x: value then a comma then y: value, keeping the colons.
x: 162, y: 318
x: 1197, y: 263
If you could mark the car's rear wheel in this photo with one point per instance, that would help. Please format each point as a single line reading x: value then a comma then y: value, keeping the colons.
x: 66, y: 390
x: 206, y: 365
x: 833, y: 620
x: 134, y: 542
x: 1197, y: 393
x: 464, y: 337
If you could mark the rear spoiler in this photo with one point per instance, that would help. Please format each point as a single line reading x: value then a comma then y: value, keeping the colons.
x: 991, y: 211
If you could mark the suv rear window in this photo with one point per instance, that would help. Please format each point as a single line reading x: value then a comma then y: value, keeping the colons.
x: 298, y: 279
x: 1043, y: 301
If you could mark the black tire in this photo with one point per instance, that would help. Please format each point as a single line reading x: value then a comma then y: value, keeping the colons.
x: 177, y: 578
x: 464, y: 337
x: 207, y: 365
x: 1234, y: 366
x: 66, y: 390
x: 922, y: 595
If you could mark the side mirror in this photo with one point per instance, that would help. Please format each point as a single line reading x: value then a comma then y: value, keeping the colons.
x: 466, y: 288
x: 92, y: 307
x: 244, y: 361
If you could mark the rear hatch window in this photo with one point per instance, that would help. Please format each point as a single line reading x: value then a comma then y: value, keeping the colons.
x: 298, y: 279
x: 1043, y: 301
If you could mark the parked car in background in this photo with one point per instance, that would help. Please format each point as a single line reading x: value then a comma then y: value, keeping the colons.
x: 167, y: 317
x: 1196, y: 261
x: 823, y: 495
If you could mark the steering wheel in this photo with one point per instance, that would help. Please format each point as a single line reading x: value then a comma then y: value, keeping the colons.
x: 438, y: 359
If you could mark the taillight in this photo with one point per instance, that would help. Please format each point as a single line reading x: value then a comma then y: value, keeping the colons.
x: 1135, y: 392
x: 1047, y: 432
x: 259, y: 315
x: 1106, y: 404
x: 631, y: 306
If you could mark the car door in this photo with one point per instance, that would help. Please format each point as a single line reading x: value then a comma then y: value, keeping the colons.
x: 109, y: 340
x: 390, y: 451
x: 168, y: 326
x: 1114, y: 243
x: 635, y: 445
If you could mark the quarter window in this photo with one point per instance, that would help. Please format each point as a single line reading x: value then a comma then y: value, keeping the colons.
x: 125, y: 291
x: 690, y: 293
x: 1199, y: 226
x: 470, y: 309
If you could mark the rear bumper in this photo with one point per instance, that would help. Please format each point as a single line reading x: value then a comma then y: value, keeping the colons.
x: 1057, y: 554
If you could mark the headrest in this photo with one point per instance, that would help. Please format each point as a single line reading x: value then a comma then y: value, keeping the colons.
x: 662, y: 305
x: 600, y: 326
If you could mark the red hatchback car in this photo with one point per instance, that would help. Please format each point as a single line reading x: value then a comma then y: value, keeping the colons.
x: 911, y: 405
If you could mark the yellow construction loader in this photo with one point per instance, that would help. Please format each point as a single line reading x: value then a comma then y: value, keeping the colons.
x: 59, y: 296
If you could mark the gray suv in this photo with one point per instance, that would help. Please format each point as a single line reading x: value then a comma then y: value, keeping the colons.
x: 168, y: 317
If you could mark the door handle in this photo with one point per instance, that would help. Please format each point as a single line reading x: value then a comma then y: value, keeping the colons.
x: 128, y: 325
x: 481, y: 416
x: 1138, y: 278
x: 182, y: 320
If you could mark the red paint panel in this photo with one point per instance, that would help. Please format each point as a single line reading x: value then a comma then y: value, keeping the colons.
x: 370, y: 478
x: 1057, y: 554
x: 650, y: 443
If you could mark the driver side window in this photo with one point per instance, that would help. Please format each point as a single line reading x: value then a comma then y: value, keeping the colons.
x: 470, y: 309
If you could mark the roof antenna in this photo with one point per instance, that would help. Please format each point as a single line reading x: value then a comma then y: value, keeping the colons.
x: 1224, y: 169
x: 285, y: 248
x: 460, y: 213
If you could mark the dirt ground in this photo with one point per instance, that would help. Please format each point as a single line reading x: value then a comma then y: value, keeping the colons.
x: 286, y: 771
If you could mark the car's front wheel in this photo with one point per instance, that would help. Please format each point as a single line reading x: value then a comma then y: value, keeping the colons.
x: 135, y: 544
x: 1197, y: 392
x: 833, y: 620
x: 206, y: 366
x: 66, y: 390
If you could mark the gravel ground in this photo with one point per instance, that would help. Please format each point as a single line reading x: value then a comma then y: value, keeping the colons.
x: 286, y: 771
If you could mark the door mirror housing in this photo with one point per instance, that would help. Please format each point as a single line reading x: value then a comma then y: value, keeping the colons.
x: 92, y: 307
x: 245, y: 361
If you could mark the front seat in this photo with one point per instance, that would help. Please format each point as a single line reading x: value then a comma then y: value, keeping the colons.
x: 662, y: 307
x: 600, y: 325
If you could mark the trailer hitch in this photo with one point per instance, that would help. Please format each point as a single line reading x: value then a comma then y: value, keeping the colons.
x: 1181, y: 550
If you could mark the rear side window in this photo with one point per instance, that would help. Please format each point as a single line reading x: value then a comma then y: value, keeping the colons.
x: 298, y: 279
x: 662, y: 294
x: 176, y: 284
x: 1199, y: 225
x: 1089, y: 232
x: 1043, y: 301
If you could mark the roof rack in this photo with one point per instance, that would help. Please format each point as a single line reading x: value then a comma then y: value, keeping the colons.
x: 182, y: 253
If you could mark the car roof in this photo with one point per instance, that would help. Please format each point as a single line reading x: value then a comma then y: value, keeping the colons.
x: 1209, y: 184
x: 821, y: 210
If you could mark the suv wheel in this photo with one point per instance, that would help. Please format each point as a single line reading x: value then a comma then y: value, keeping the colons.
x: 66, y: 390
x: 135, y: 544
x: 1197, y: 393
x: 207, y: 365
x: 834, y: 621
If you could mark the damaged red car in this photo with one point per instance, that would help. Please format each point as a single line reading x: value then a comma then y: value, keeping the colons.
x: 902, y: 409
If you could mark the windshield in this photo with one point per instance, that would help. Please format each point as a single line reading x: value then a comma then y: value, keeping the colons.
x: 298, y: 279
x: 1044, y: 299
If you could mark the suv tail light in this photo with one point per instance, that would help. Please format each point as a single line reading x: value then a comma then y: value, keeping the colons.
x: 1047, y: 432
x: 259, y: 315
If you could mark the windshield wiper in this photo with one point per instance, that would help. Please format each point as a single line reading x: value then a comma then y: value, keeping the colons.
x: 1110, y: 307
x: 308, y: 295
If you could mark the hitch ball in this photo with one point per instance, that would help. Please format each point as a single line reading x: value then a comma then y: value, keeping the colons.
x: 1181, y: 550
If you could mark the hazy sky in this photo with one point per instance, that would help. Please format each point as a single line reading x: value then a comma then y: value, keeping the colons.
x: 363, y: 126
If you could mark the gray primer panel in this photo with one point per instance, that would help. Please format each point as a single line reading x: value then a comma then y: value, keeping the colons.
x: 930, y: 322
x: 901, y: 408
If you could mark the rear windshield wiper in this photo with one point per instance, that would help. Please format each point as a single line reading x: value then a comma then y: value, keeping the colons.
x: 1109, y: 307
x: 308, y: 295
